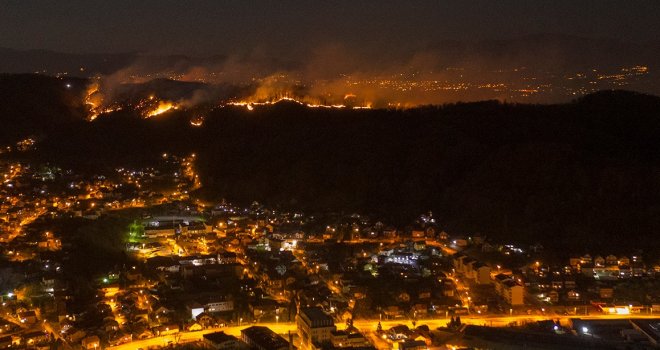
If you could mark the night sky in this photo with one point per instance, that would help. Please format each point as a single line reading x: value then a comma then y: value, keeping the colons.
x: 290, y: 27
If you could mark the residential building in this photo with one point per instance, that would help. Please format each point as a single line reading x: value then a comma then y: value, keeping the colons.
x: 314, y: 326
x: 91, y: 342
x: 413, y: 345
x: 482, y: 273
x: 222, y: 341
x: 509, y: 289
x: 344, y: 339
x: 513, y: 293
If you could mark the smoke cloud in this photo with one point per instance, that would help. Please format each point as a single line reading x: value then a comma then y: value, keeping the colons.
x: 332, y: 74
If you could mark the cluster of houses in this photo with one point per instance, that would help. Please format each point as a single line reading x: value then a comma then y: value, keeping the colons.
x: 610, y: 267
x: 208, y: 267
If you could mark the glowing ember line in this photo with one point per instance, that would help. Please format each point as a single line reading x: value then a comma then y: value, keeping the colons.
x: 250, y: 104
x: 197, y: 121
x: 163, y: 106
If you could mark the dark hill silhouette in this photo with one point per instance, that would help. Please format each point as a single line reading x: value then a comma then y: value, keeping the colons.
x: 579, y: 175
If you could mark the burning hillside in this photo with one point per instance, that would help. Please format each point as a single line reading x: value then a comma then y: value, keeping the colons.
x: 155, y: 98
x: 98, y: 103
x: 250, y: 105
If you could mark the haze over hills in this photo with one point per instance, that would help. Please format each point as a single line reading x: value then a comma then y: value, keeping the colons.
x: 532, y: 51
x: 584, y: 172
x: 542, y: 68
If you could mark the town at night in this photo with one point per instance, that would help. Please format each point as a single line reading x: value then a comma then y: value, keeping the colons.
x: 261, y: 175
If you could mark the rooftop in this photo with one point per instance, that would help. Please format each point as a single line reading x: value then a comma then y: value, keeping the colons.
x: 219, y: 337
x: 316, y: 317
x: 264, y: 337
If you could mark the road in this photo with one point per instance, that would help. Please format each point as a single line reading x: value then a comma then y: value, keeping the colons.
x: 280, y: 328
x: 365, y: 326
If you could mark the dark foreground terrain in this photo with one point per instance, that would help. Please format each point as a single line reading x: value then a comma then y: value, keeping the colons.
x: 581, y: 174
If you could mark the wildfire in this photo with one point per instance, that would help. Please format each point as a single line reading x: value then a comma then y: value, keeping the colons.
x: 98, y: 111
x: 250, y: 105
x: 93, y: 99
x: 197, y: 121
x: 162, y: 107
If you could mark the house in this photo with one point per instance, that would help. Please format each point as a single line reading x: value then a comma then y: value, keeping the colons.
x: 392, y: 311
x: 611, y: 260
x: 263, y: 338
x: 222, y: 341
x: 418, y: 233
x: 146, y: 334
x: 194, y: 327
x: 481, y: 273
x: 413, y: 345
x: 219, y: 304
x: 119, y: 338
x: 424, y: 293
x: 206, y: 320
x: 227, y: 258
x: 166, y: 329
x: 390, y: 232
x: 74, y: 335
x: 400, y: 296
x: 457, y: 261
x: 468, y: 267
x: 419, y: 309
x: 110, y: 324
x: 164, y: 230
x: 263, y: 307
x: 399, y: 332
x: 573, y: 295
x: 460, y: 242
x: 196, y: 228
x: 27, y: 317
x: 92, y: 342
x: 499, y: 279
x: 599, y: 261
x: 344, y: 339
x: 35, y: 338
x: 513, y: 293
x: 509, y: 289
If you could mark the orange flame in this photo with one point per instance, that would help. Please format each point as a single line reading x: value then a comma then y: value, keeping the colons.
x: 163, y: 106
x: 250, y: 105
